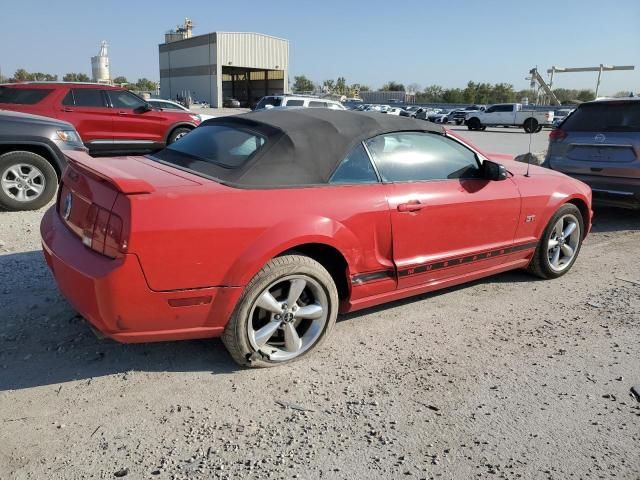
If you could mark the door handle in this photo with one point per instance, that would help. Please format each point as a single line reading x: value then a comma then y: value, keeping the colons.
x: 67, y: 109
x: 410, y: 206
x: 123, y: 113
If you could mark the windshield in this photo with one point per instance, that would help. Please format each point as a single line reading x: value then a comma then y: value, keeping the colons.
x: 605, y: 117
x: 273, y: 101
x: 23, y: 96
x: 211, y: 146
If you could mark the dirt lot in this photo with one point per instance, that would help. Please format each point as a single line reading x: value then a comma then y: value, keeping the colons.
x: 509, y: 377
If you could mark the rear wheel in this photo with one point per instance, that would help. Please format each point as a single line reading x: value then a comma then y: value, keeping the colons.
x: 287, y: 310
x: 177, y: 134
x: 530, y: 125
x: 560, y: 243
x: 27, y: 181
x: 474, y: 124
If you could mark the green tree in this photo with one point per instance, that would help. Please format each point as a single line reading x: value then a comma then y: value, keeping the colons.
x: 392, y: 86
x: 120, y: 80
x: 76, y: 77
x: 145, y: 85
x: 453, y: 95
x: 328, y: 86
x: 341, y: 86
x: 21, y: 75
x: 432, y: 94
x: 302, y: 84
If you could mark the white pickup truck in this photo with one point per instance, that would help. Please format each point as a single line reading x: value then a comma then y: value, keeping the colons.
x: 509, y: 114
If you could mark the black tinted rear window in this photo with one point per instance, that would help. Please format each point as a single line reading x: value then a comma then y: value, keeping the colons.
x: 211, y: 146
x: 23, y: 96
x: 605, y: 117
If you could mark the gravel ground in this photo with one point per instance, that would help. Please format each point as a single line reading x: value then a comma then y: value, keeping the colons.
x: 508, y: 377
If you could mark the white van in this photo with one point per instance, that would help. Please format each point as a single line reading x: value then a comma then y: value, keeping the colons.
x: 297, y: 101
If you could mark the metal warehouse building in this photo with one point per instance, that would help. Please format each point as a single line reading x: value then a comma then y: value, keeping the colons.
x: 220, y: 65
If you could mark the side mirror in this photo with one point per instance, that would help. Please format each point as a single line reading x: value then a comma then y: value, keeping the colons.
x: 145, y: 108
x: 494, y: 171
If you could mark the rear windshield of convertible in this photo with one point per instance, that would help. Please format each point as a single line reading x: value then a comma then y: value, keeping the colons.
x: 209, y: 147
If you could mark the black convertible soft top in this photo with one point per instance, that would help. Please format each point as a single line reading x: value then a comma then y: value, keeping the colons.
x: 305, y: 145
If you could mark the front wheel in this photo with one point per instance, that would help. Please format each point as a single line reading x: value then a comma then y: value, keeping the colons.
x: 560, y: 243
x: 27, y: 181
x: 287, y: 310
x: 177, y: 134
x: 474, y: 124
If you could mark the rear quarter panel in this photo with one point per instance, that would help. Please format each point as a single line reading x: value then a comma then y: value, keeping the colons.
x: 221, y: 236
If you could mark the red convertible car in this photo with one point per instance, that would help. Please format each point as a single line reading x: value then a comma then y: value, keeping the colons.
x: 260, y: 228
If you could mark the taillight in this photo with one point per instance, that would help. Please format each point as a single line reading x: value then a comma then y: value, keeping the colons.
x: 103, y: 232
x: 557, y: 134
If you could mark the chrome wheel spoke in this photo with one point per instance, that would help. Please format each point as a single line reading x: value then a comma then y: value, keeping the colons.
x: 15, y: 171
x: 268, y: 303
x: 21, y: 195
x: 310, y: 312
x: 558, y: 228
x: 567, y: 250
x: 553, y: 243
x: 296, y: 287
x: 263, y: 335
x: 555, y: 259
x: 292, y: 341
x: 6, y: 183
x: 36, y: 187
x: 569, y: 229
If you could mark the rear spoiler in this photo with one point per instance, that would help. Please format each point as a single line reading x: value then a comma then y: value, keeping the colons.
x: 104, y: 169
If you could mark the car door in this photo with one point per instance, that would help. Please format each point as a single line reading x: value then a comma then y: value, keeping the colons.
x: 447, y: 220
x: 87, y: 110
x: 133, y: 123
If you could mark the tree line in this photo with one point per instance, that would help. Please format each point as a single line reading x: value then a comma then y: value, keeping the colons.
x: 22, y: 75
x: 474, y: 92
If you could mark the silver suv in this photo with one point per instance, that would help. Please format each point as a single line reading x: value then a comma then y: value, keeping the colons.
x: 599, y: 144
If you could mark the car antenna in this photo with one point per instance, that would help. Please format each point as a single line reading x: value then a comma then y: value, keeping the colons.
x: 529, y: 153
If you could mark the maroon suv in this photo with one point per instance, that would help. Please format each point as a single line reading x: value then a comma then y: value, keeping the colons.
x: 107, y: 118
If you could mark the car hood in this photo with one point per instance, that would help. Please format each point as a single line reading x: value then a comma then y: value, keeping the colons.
x: 19, y: 117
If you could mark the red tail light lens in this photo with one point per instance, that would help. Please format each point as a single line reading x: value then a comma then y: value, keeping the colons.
x: 103, y: 232
x: 557, y: 134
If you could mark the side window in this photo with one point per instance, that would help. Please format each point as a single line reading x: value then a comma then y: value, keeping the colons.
x: 417, y: 156
x: 505, y: 108
x: 316, y: 104
x: 492, y: 109
x: 68, y: 98
x: 295, y: 103
x: 355, y: 168
x: 124, y: 99
x: 88, y: 97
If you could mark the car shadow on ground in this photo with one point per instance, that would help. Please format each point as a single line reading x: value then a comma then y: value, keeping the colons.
x: 43, y: 341
x: 611, y: 219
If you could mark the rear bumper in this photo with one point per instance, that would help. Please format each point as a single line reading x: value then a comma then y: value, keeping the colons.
x: 114, y: 297
x: 616, y: 191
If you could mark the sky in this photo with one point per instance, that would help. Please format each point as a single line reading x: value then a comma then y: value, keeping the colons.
x: 370, y: 42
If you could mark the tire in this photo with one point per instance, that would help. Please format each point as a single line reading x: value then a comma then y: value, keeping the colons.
x: 483, y: 128
x: 177, y: 134
x: 277, y: 278
x: 27, y: 181
x: 474, y: 124
x: 542, y: 264
x: 539, y: 129
x: 530, y: 125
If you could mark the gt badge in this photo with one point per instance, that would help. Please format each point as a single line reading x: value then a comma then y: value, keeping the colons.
x: 530, y: 218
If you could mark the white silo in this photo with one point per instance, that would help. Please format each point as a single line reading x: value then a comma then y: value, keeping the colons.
x: 100, y: 64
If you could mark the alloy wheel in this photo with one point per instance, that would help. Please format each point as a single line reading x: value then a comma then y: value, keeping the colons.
x: 563, y: 242
x: 288, y: 317
x: 23, y: 182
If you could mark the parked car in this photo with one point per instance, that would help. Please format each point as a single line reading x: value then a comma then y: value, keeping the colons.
x: 231, y: 103
x: 298, y: 101
x: 441, y: 117
x: 260, y: 228
x: 560, y: 115
x: 171, y: 105
x: 599, y: 144
x: 424, y: 112
x: 396, y: 111
x: 412, y: 109
x: 109, y: 119
x: 32, y: 158
x: 509, y: 114
x: 460, y: 115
